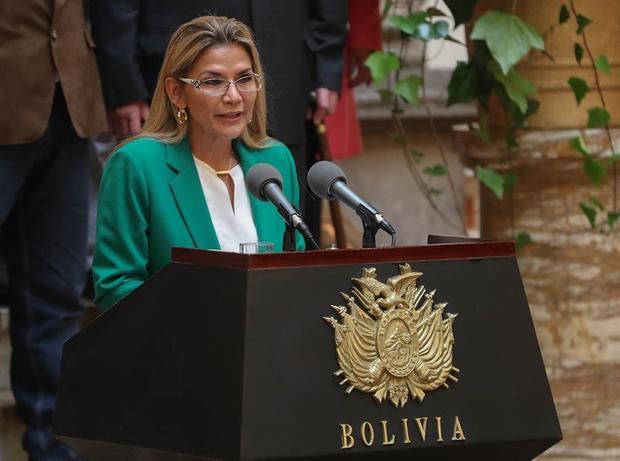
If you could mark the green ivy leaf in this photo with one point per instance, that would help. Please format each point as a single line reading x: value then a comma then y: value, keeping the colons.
x: 593, y: 169
x: 437, y: 170
x: 462, y: 10
x: 589, y: 212
x: 522, y: 239
x: 409, y: 89
x: 580, y: 88
x: 434, y: 191
x: 510, y: 179
x: 464, y: 84
x: 612, y: 218
x: 509, y: 38
x: 381, y: 63
x: 517, y: 88
x: 492, y: 179
x: 409, y: 24
x: 579, y: 145
x: 602, y: 63
x: 578, y: 53
x: 598, y: 117
x: 417, y: 155
x: 564, y: 14
x: 582, y: 22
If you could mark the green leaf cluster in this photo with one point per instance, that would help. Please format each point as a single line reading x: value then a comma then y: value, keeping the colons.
x: 508, y: 37
x: 522, y: 239
x: 517, y: 88
x: 578, y: 53
x: 602, y: 64
x: 500, y: 41
x: 419, y: 25
x: 492, y: 179
x: 592, y: 167
x: 593, y: 208
x: 598, y: 117
x: 582, y: 23
x: 409, y: 89
x: 381, y: 63
x: 436, y: 170
x: 580, y: 88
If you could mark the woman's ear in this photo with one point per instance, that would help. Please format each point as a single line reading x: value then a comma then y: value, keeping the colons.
x: 174, y: 89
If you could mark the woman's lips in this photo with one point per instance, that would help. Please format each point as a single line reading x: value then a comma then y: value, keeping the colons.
x: 231, y: 116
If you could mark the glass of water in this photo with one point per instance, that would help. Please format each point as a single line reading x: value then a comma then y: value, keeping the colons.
x: 253, y: 248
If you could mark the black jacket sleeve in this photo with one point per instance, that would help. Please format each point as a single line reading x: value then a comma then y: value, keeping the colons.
x: 115, y: 31
x: 325, y: 37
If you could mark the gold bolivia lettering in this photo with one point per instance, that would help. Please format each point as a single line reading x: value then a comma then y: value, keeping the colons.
x: 368, y: 434
x: 346, y: 431
x: 457, y: 432
x: 426, y: 433
x: 421, y: 422
x: 406, y: 438
x: 385, y: 434
x: 439, y: 431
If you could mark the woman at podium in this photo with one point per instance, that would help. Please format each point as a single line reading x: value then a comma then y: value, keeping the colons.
x: 180, y: 182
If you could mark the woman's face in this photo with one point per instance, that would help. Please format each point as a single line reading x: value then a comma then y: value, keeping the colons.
x: 224, y: 116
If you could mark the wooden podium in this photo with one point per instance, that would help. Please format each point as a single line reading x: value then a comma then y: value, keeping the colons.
x: 228, y: 356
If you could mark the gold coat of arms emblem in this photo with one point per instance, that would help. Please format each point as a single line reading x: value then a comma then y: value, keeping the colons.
x: 392, y: 339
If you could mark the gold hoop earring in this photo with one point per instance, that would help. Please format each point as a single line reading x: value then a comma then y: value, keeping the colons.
x: 181, y: 116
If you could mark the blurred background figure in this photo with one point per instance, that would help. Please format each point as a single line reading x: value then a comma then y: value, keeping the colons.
x: 52, y: 101
x: 344, y: 136
x: 301, y: 43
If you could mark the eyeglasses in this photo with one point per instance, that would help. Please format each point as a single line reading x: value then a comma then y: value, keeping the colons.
x: 248, y: 83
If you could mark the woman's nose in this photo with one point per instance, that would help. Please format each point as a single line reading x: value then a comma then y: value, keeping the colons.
x: 232, y: 93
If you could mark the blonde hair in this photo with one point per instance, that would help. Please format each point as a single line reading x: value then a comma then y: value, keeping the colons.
x: 186, y: 44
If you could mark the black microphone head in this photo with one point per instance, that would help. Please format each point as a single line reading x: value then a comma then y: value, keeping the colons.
x: 259, y: 176
x: 321, y: 177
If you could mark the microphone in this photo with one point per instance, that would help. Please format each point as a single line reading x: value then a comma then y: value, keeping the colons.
x: 265, y: 182
x: 328, y: 181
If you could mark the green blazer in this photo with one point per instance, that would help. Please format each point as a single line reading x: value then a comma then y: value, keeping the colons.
x: 151, y: 200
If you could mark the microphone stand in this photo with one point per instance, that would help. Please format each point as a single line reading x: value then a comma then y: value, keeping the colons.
x: 369, y: 237
x: 288, y: 239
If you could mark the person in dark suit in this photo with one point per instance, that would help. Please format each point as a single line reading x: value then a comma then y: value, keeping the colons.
x: 52, y: 101
x: 301, y: 44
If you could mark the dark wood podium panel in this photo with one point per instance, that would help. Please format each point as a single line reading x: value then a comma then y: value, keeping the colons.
x: 222, y: 356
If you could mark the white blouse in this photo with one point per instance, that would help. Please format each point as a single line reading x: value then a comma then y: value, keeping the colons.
x: 232, y: 226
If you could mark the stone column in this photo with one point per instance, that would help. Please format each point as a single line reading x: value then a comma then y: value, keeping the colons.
x: 571, y: 275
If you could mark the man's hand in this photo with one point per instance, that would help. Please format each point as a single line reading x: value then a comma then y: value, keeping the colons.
x: 326, y: 102
x: 127, y: 120
x: 358, y: 71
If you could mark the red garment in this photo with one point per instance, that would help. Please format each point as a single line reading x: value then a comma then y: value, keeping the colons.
x: 343, y: 128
